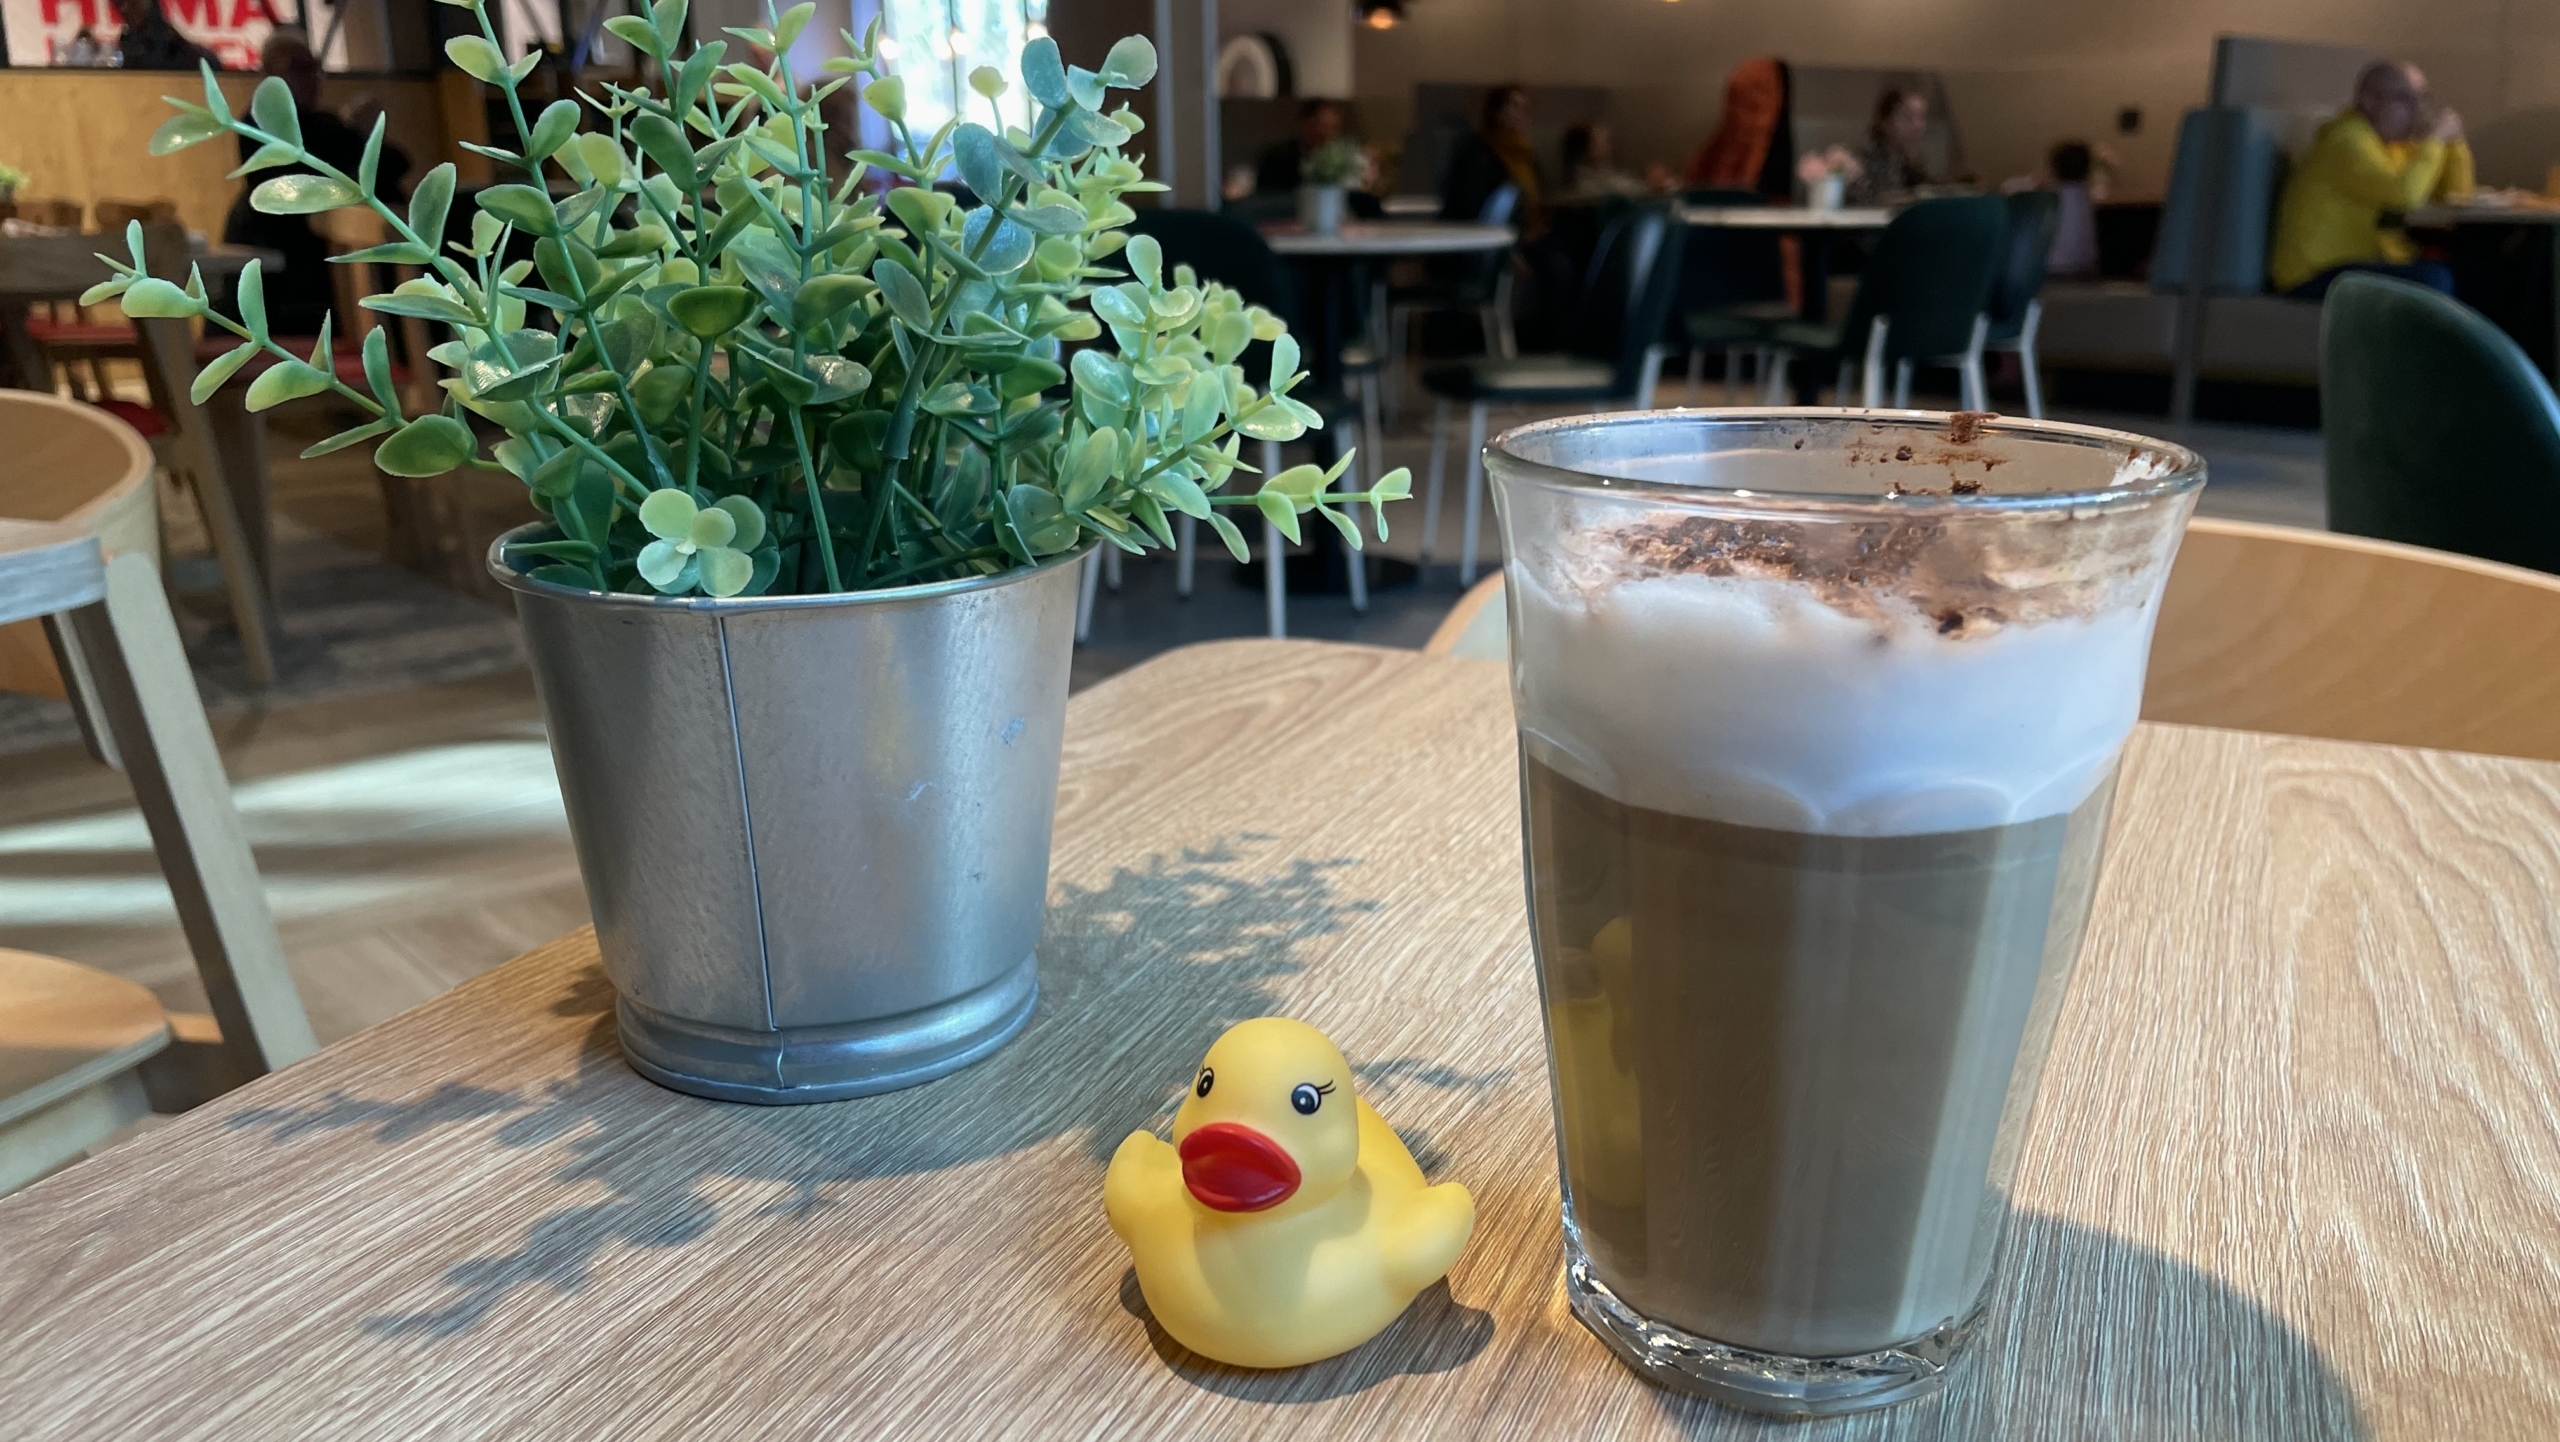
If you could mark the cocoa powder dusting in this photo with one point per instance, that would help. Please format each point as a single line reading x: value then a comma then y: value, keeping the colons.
x: 1965, y: 427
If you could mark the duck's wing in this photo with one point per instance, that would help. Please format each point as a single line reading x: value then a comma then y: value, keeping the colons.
x: 1144, y: 1178
x: 1384, y: 1156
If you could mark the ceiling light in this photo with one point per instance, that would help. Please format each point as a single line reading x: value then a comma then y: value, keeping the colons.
x: 1381, y: 14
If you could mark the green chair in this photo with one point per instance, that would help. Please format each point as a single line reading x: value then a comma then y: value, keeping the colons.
x: 1925, y: 297
x: 2439, y: 431
x: 2017, y: 305
x: 1733, y: 291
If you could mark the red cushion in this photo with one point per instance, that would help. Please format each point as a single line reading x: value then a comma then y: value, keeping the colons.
x: 64, y: 332
x: 143, y: 419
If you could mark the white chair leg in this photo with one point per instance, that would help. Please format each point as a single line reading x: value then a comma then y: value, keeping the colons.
x: 1697, y: 373
x: 1186, y: 554
x: 1510, y: 343
x: 1275, y: 581
x: 1431, y: 487
x: 1475, y: 493
x: 1977, y: 389
x: 1111, y: 567
x: 1773, y: 379
x: 1364, y: 474
x: 1733, y: 372
x: 1649, y: 377
x: 1085, y: 587
x: 2027, y: 359
x: 1902, y: 384
x: 1840, y: 385
x: 1874, y: 396
x: 1399, y: 325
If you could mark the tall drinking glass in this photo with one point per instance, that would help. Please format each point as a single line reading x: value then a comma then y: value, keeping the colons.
x: 1819, y: 717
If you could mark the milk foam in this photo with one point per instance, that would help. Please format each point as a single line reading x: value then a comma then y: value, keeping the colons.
x: 1746, y: 699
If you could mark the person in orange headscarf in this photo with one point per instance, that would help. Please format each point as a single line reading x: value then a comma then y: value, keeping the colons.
x: 1754, y: 148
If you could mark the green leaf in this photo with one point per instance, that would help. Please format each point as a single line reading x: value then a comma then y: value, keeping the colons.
x: 521, y: 384
x: 559, y: 121
x: 973, y: 149
x: 750, y: 521
x: 1228, y: 533
x: 1276, y: 509
x: 216, y: 103
x: 397, y: 252
x: 285, y: 381
x: 626, y: 342
x: 570, y: 577
x: 1044, y: 73
x: 724, y: 572
x: 251, y: 295
x: 219, y: 371
x: 668, y: 514
x: 427, y: 446
x: 836, y: 379
x: 576, y: 552
x: 567, y: 266
x: 1003, y: 253
x: 557, y: 476
x: 521, y: 206
x: 641, y: 239
x: 660, y: 390
x: 667, y: 18
x: 888, y: 96
x: 429, y: 202
x: 602, y: 157
x: 480, y: 60
x: 787, y: 29
x: 1030, y: 376
x: 377, y: 369
x: 1041, y: 520
x: 152, y: 298
x: 1349, y: 528
x: 665, y: 565
x: 662, y: 141
x: 302, y: 195
x: 106, y: 290
x: 267, y: 157
x: 369, y: 165
x: 346, y: 438
x: 987, y: 81
x: 905, y: 295
x: 1117, y: 307
x: 635, y: 32
x: 180, y: 131
x: 1298, y: 483
x: 423, y: 299
x: 1052, y: 219
x: 271, y: 106
x: 1131, y: 65
x: 1085, y: 88
x: 707, y: 311
x: 826, y: 297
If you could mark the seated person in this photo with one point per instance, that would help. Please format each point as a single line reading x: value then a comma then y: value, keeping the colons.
x: 1591, y: 167
x: 299, y: 294
x: 2387, y: 153
x: 1277, y: 172
x: 1892, y: 164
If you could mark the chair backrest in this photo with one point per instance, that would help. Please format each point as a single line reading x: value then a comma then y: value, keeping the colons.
x: 112, y: 215
x: 1931, y: 274
x: 2439, y: 431
x: 2034, y: 215
x: 1500, y: 206
x: 2302, y: 633
x: 2269, y: 628
x: 1725, y: 265
x: 1627, y: 291
x: 79, y: 469
x: 1224, y: 248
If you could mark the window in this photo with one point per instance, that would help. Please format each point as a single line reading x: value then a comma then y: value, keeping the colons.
x: 934, y: 44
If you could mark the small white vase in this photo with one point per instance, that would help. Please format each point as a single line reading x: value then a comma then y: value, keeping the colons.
x: 1320, y: 209
x: 1829, y: 191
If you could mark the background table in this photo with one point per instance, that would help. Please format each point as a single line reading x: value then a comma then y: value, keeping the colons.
x: 1389, y: 239
x: 1788, y: 217
x: 2292, y: 1174
x: 2459, y: 217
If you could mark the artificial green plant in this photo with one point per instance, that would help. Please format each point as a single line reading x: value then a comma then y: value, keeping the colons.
x: 762, y: 379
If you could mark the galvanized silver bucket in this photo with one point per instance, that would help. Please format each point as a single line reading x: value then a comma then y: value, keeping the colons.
x: 814, y: 829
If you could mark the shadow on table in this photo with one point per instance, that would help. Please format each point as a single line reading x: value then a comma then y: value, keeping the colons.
x: 2092, y: 1338
x: 1138, y: 976
x: 1438, y: 1333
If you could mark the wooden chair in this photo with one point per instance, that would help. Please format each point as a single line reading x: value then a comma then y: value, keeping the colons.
x: 92, y: 337
x: 2303, y: 633
x: 83, y: 1053
x: 91, y: 479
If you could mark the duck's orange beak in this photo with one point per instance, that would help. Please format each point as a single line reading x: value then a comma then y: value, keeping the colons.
x: 1234, y: 1168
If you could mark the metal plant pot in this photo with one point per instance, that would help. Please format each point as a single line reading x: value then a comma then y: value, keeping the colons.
x: 814, y: 829
x: 1320, y: 208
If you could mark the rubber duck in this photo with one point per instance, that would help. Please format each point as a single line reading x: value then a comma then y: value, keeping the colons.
x: 1285, y: 1222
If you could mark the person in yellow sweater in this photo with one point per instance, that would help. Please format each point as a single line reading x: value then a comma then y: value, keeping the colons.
x: 2388, y: 153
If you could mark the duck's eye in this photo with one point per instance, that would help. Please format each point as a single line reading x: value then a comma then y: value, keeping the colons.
x: 1308, y: 1096
x: 1207, y: 1080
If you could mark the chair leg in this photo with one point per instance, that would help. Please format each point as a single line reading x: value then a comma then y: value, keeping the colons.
x: 1431, y: 487
x: 1902, y: 384
x: 1649, y: 378
x: 1475, y: 493
x: 1111, y: 567
x: 1874, y: 388
x: 1086, y: 585
x: 2027, y: 359
x: 1186, y: 554
x: 1733, y: 372
x: 1510, y: 343
x: 157, y: 719
x: 1275, y: 581
x: 1697, y: 373
x: 1977, y: 388
x: 1773, y: 379
x: 1399, y: 328
x: 251, y: 611
x: 1372, y: 465
x: 1840, y: 384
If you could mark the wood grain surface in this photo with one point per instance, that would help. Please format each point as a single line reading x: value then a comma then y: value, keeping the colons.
x: 2295, y: 1172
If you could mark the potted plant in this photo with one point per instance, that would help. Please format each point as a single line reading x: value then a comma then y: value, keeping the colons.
x: 820, y: 466
x: 1325, y: 173
x: 1826, y: 175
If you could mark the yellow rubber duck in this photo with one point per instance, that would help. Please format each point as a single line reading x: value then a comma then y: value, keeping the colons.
x: 1286, y: 1222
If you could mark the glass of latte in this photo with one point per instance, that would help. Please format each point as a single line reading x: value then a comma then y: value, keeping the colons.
x: 1819, y: 717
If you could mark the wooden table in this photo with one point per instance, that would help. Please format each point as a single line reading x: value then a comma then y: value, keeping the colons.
x: 2295, y: 1172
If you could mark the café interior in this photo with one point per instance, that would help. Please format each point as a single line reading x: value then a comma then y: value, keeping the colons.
x: 503, y: 934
